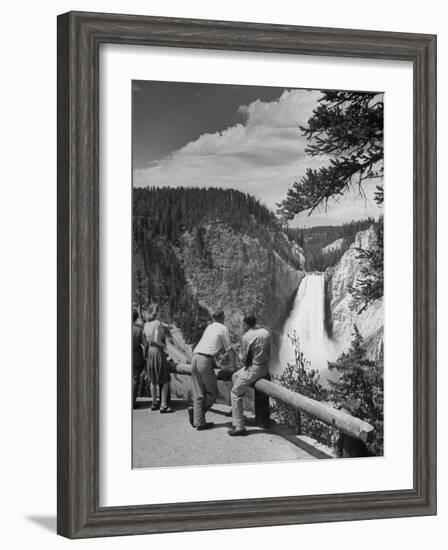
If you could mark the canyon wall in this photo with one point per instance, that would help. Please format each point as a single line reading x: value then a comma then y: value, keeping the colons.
x: 341, y: 312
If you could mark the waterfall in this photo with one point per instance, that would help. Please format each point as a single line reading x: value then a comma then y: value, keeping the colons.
x: 307, y: 319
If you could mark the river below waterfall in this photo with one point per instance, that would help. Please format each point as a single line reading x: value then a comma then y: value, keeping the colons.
x: 307, y: 321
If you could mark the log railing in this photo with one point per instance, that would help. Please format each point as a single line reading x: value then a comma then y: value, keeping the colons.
x: 354, y: 431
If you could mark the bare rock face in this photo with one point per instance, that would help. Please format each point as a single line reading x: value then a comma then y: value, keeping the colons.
x: 216, y: 267
x: 235, y: 272
x: 298, y: 252
x: 341, y: 313
x: 335, y: 245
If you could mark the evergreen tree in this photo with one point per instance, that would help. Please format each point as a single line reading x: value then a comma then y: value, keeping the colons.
x: 312, y: 240
x: 347, y: 127
x: 164, y: 216
x: 359, y: 388
x: 168, y: 212
x: 369, y: 286
x: 301, y: 378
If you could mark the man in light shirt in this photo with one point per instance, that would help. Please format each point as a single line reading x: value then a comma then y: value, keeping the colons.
x: 255, y: 355
x: 215, y: 340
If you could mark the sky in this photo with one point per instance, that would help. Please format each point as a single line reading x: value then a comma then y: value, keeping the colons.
x: 242, y: 137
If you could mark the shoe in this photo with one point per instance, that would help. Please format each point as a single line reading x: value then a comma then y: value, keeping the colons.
x: 155, y: 407
x: 190, y: 416
x: 237, y: 432
x: 164, y: 410
x: 205, y: 426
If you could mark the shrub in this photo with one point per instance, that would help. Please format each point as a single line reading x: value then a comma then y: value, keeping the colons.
x: 359, y: 389
x: 301, y: 378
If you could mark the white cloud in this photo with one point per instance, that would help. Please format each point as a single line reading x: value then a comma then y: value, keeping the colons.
x: 262, y: 156
x: 292, y: 109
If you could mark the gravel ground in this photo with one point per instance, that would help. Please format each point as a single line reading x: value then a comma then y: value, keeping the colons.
x: 169, y: 440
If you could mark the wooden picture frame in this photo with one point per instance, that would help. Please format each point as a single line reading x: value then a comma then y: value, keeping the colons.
x: 79, y: 38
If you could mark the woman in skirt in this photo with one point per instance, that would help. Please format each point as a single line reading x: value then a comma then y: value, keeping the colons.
x: 157, y: 366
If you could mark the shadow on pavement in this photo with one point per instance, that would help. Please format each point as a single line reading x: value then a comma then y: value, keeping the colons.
x: 175, y: 404
x: 228, y: 414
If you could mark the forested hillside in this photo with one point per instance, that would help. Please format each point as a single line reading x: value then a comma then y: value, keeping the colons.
x: 173, y: 210
x: 195, y: 250
x: 313, y: 241
x: 170, y: 212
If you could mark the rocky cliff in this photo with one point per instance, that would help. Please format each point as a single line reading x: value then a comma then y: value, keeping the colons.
x: 335, y: 245
x: 341, y: 314
x: 193, y: 256
x: 235, y: 272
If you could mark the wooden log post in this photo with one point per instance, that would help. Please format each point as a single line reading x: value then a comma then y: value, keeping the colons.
x: 338, y: 419
x: 354, y: 431
x: 351, y: 447
x: 262, y: 408
x: 180, y: 368
x: 298, y: 422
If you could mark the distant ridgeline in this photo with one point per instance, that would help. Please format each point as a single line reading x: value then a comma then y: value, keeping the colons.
x: 317, y: 242
x: 170, y: 212
x: 197, y: 249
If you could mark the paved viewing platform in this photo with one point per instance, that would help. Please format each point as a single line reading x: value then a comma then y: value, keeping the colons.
x: 163, y: 440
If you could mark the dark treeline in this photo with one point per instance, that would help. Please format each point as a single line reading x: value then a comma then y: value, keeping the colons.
x: 175, y: 210
x: 170, y: 212
x: 313, y: 239
x: 162, y: 217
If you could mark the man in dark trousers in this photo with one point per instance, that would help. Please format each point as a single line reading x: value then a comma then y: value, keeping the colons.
x: 138, y: 356
x: 255, y: 355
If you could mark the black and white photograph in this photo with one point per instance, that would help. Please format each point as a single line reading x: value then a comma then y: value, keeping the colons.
x: 257, y: 277
x: 219, y: 281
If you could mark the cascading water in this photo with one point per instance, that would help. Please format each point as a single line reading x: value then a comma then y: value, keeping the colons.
x: 307, y: 321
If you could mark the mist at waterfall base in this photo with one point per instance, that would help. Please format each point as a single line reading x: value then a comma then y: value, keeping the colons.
x: 307, y: 320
